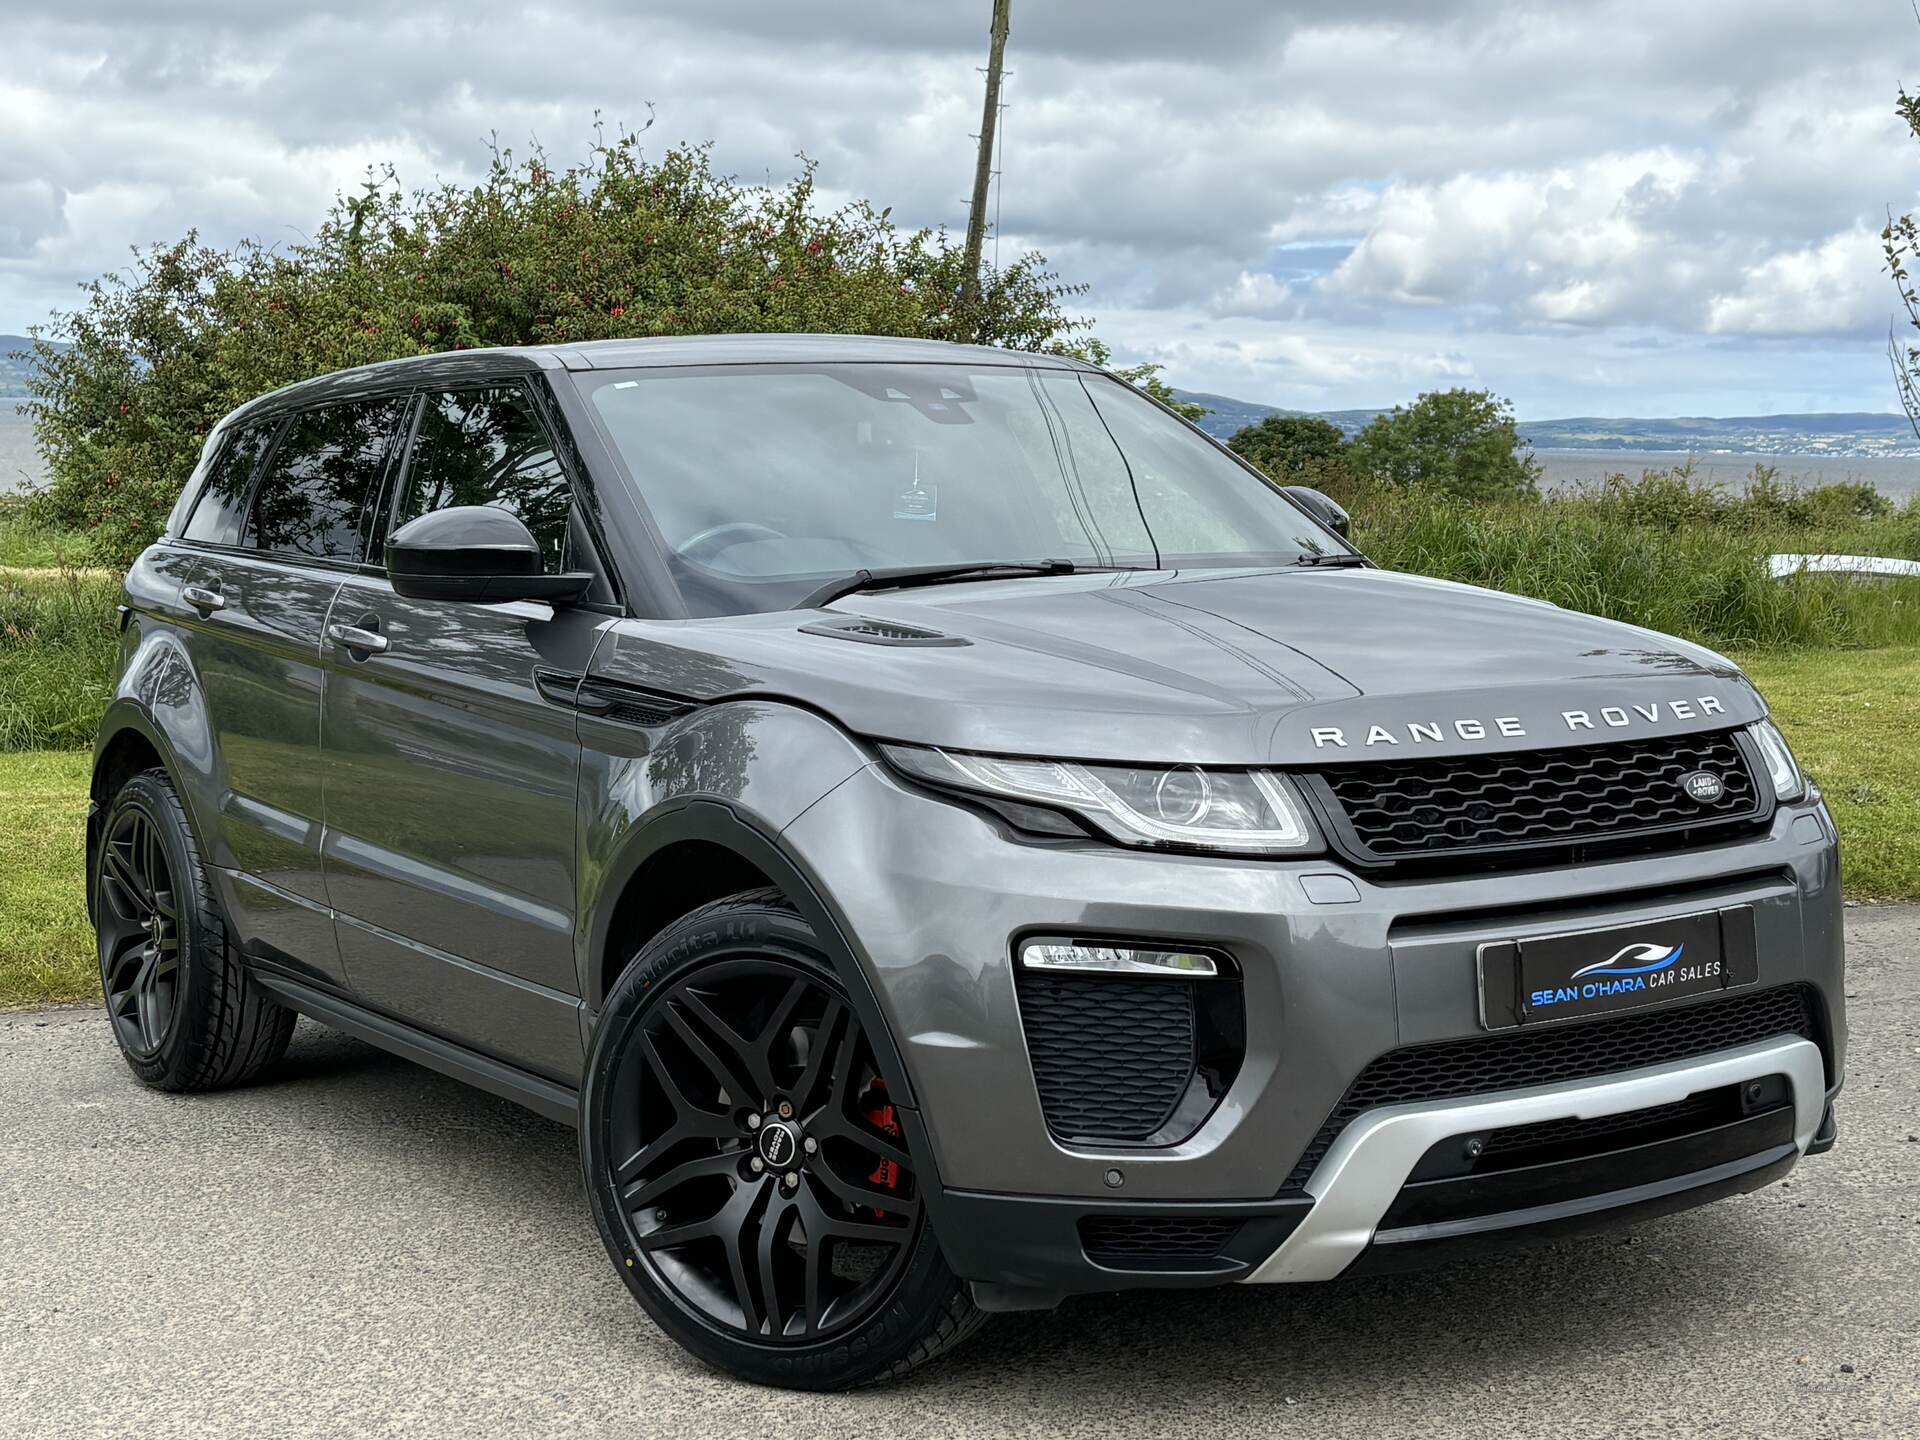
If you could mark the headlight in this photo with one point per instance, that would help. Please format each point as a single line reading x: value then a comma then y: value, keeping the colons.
x: 1245, y: 811
x: 1788, y: 782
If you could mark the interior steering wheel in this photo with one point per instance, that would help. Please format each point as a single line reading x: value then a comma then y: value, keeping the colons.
x: 716, y: 538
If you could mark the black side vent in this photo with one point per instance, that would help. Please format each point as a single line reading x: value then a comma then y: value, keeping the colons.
x: 879, y: 632
x: 1130, y: 1239
x: 610, y: 700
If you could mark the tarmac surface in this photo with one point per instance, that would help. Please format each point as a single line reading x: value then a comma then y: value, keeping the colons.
x: 364, y: 1247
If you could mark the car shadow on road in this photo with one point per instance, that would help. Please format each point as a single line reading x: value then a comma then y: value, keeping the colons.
x: 1509, y: 1321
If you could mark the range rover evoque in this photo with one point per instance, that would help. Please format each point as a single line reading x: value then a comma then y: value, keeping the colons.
x: 947, y: 834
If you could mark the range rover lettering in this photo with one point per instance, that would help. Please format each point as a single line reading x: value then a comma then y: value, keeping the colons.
x: 947, y: 834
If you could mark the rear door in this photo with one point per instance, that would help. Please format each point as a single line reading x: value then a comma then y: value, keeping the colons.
x: 450, y: 776
x: 270, y: 556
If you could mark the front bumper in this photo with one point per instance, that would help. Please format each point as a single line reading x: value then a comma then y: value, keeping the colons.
x: 1336, y: 970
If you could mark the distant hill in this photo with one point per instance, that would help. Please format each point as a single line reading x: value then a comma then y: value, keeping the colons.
x: 14, y: 373
x: 1851, y: 435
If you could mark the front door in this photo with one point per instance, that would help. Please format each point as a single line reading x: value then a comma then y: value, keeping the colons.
x: 450, y: 779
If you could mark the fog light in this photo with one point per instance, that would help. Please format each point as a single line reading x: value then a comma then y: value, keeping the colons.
x: 1066, y: 956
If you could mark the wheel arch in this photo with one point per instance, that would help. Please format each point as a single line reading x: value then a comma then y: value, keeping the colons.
x: 127, y: 744
x: 715, y: 833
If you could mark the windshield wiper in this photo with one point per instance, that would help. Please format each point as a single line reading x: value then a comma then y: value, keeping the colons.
x: 1339, y: 560
x: 901, y: 576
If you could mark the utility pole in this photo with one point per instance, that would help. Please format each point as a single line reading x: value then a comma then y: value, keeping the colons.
x: 983, y: 166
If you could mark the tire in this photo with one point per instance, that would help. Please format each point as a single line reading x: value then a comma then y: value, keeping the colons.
x: 185, y: 1013
x: 727, y: 1012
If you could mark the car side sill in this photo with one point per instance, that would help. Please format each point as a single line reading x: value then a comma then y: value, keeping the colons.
x: 541, y: 1096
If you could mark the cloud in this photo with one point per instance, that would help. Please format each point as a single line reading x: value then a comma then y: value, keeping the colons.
x: 1829, y: 288
x: 1347, y: 197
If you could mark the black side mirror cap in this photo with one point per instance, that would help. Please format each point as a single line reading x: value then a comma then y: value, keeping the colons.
x: 1324, y: 508
x: 474, y: 552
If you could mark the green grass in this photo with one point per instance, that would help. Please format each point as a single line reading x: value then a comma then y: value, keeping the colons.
x: 46, y: 945
x: 59, y: 644
x: 1853, y: 719
x: 26, y: 543
x: 1656, y: 553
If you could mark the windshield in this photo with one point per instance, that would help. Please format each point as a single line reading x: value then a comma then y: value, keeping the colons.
x: 768, y: 480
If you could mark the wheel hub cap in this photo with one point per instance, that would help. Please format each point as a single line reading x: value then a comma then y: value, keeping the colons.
x: 779, y: 1144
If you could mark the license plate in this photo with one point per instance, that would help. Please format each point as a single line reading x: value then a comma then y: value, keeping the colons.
x: 1598, y: 972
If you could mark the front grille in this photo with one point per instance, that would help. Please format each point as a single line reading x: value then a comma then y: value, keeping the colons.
x: 1457, y: 806
x: 1555, y: 1054
x: 1112, y: 1058
x: 1133, y: 1238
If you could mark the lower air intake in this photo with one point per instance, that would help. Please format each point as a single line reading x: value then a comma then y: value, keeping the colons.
x: 1551, y: 1054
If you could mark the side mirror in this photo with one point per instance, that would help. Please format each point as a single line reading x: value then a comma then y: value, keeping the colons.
x: 474, y: 552
x: 1328, y: 511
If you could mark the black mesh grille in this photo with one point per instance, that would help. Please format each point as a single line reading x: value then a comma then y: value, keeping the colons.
x: 1454, y: 805
x: 1517, y: 1143
x: 1552, y: 1054
x: 1154, y: 1237
x: 1111, y: 1057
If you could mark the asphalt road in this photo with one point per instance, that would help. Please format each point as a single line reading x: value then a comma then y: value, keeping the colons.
x: 366, y: 1248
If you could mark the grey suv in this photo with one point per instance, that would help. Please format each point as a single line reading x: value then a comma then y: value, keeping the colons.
x: 948, y: 835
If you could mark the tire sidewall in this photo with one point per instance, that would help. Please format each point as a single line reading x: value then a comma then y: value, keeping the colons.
x: 844, y: 1359
x: 202, y: 938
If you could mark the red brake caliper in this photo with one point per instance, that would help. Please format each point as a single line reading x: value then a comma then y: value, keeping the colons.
x: 886, y: 1175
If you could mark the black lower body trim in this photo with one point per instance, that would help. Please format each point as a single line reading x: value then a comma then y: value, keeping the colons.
x: 1033, y: 1243
x: 541, y: 1096
x: 1418, y: 1247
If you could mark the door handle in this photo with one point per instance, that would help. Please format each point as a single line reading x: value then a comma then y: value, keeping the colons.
x: 202, y: 599
x: 354, y: 638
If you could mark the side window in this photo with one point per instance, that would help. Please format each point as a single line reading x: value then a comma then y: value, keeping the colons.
x: 216, y: 514
x: 312, y: 498
x: 489, y: 447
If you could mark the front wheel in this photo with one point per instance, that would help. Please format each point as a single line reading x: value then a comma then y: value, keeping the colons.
x: 746, y: 1164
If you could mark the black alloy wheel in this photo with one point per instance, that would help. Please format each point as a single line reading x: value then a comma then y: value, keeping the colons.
x: 138, y: 917
x: 748, y: 1167
x: 763, y: 1177
x: 185, y: 1012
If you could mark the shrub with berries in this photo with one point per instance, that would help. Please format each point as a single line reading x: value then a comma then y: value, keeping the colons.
x: 615, y: 245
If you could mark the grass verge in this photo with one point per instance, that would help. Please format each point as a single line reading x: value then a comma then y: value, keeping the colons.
x: 1853, y: 719
x: 46, y: 945
x: 1849, y: 715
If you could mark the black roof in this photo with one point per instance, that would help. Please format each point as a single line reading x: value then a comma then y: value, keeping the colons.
x: 453, y: 365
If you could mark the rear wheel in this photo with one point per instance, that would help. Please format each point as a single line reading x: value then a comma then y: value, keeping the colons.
x: 747, y: 1166
x: 186, y: 1014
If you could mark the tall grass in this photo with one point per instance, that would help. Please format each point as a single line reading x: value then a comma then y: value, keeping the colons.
x: 1666, y: 554
x: 59, y: 644
x: 1657, y: 551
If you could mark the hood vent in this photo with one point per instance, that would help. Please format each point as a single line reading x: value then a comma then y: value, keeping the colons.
x: 880, y: 632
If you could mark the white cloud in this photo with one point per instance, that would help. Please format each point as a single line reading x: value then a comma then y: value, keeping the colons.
x: 1341, y: 199
x: 1835, y: 286
x: 1254, y: 293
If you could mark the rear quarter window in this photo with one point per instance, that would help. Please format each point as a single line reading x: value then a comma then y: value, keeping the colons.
x: 223, y: 498
x: 314, y: 494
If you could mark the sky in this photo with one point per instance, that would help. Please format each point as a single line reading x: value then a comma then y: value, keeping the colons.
x: 1619, y: 207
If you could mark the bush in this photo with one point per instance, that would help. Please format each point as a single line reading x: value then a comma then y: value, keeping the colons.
x: 1457, y: 442
x: 615, y: 245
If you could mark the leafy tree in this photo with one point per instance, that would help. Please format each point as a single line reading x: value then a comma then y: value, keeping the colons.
x: 1295, y: 450
x: 1459, y: 442
x: 614, y: 245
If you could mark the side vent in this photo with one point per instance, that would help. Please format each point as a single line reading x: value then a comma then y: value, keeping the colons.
x: 880, y: 632
x: 609, y: 699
